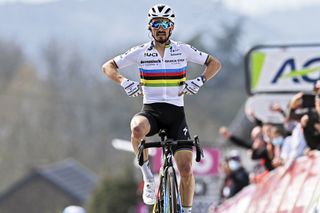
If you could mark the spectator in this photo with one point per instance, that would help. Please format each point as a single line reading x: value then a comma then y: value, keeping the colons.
x: 227, y: 135
x: 259, y: 148
x: 277, y: 138
x: 288, y: 124
x: 302, y: 107
x: 299, y: 105
x: 293, y: 146
x: 311, y: 126
x: 303, y: 103
x: 266, y: 131
x: 236, y: 176
x: 276, y: 107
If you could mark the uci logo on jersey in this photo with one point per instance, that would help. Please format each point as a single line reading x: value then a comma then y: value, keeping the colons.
x: 298, y: 74
x: 151, y: 54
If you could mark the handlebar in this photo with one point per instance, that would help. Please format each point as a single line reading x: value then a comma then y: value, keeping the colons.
x: 169, y: 142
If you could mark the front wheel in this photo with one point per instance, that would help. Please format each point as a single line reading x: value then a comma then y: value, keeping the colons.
x: 171, y: 192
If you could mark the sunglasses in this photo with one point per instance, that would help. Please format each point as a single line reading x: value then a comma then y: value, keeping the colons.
x: 165, y: 24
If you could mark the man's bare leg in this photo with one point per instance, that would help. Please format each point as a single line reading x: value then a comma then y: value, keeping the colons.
x: 187, y: 183
x: 140, y: 127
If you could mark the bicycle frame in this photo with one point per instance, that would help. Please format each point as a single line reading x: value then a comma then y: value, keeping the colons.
x: 168, y: 196
x: 167, y: 171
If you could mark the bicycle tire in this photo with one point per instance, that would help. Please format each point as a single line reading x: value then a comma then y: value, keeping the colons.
x: 158, y: 206
x: 171, y: 191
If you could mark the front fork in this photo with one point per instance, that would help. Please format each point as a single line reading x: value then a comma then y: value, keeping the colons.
x: 158, y: 207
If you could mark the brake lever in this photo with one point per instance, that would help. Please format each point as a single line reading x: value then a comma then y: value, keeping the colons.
x: 199, y: 151
x: 140, y: 152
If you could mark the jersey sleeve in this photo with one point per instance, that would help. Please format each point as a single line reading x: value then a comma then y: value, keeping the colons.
x: 128, y: 58
x: 194, y: 55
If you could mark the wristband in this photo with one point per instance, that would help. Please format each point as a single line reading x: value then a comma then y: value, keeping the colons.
x: 123, y: 81
x: 203, y: 78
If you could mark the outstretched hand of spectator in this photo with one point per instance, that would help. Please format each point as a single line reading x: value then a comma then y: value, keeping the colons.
x: 276, y: 107
x: 296, y: 101
x: 250, y: 114
x: 224, y: 132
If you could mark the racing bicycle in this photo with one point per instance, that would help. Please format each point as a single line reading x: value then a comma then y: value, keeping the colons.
x: 168, y: 196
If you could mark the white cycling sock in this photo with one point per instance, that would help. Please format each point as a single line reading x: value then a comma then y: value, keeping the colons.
x: 146, y: 172
x: 186, y: 209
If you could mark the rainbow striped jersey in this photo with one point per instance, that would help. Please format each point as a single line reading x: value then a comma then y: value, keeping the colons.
x: 162, y: 78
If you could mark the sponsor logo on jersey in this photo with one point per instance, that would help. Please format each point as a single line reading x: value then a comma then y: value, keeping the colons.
x: 151, y: 54
x: 150, y: 62
x: 174, y: 54
x: 174, y: 60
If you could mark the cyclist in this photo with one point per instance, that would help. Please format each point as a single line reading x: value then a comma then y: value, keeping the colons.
x: 162, y: 63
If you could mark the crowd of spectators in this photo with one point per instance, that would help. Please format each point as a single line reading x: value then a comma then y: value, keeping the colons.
x: 236, y: 176
x: 273, y: 145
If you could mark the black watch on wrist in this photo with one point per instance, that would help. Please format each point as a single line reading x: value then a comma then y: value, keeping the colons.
x: 203, y: 78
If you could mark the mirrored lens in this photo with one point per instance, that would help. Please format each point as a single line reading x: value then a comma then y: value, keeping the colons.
x: 157, y: 24
x: 165, y: 25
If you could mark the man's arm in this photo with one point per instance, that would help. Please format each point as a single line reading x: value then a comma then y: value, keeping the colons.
x: 192, y: 86
x: 227, y: 135
x: 238, y: 141
x: 110, y: 69
x: 132, y: 88
x: 294, y: 104
x: 213, y: 66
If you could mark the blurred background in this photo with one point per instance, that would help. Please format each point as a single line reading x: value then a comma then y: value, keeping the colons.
x: 59, y: 113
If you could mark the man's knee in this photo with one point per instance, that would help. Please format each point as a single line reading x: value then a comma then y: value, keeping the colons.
x: 139, y: 127
x: 186, y: 170
x: 184, y: 163
x: 137, y: 132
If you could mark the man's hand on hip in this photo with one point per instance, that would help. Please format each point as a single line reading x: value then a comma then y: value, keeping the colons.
x: 192, y: 87
x: 132, y: 88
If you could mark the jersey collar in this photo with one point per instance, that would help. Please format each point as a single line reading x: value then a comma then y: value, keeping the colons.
x: 168, y: 44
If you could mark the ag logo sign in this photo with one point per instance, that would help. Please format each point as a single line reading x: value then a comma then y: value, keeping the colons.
x: 309, y: 72
x: 282, y: 68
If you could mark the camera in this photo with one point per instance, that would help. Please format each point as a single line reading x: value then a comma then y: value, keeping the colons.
x: 308, y: 101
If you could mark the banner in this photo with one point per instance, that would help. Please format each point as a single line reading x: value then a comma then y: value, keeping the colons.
x: 293, y: 189
x: 286, y: 68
